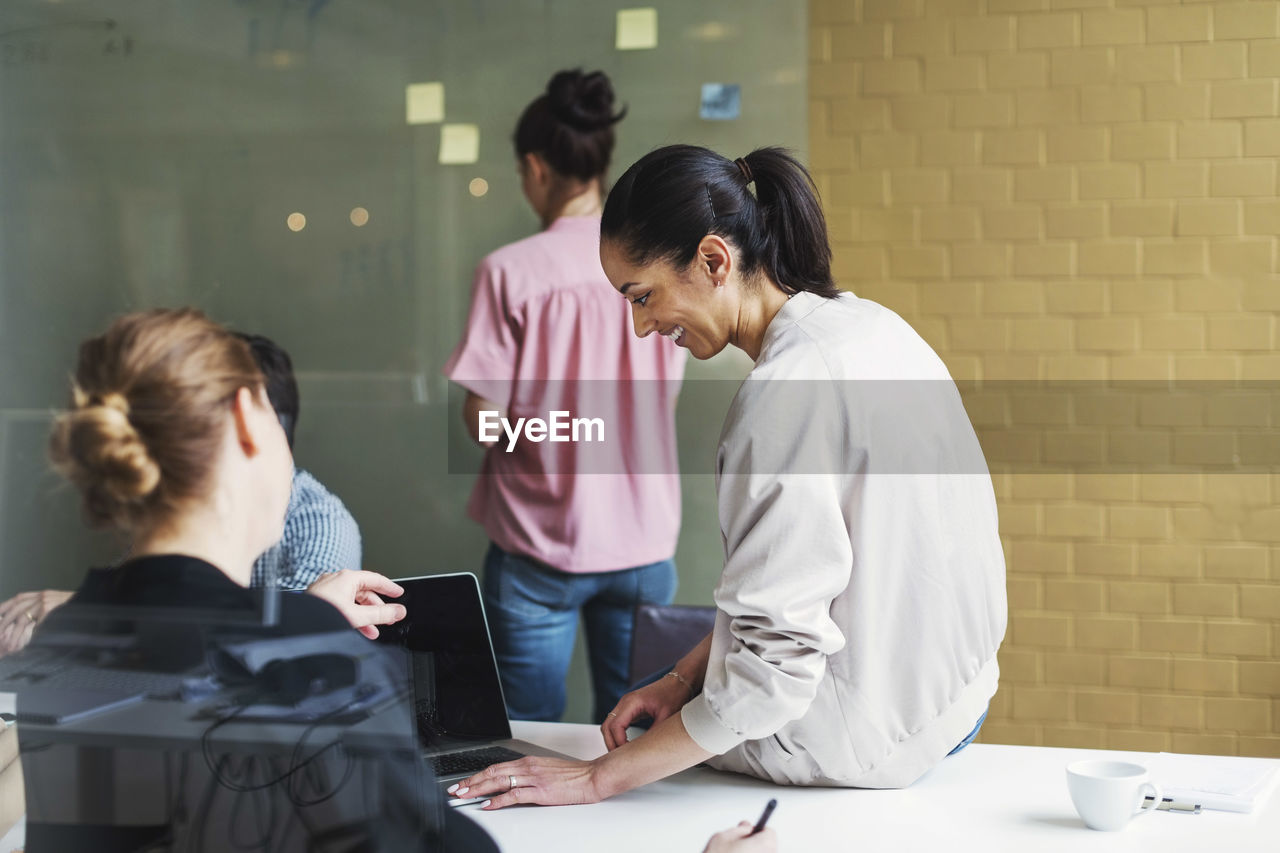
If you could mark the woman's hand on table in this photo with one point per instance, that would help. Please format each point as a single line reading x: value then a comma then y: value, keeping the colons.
x: 738, y: 839
x: 540, y: 780
x: 658, y: 700
x: 358, y: 596
x: 546, y: 781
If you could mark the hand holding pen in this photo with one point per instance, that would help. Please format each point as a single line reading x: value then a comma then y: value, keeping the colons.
x: 746, y: 837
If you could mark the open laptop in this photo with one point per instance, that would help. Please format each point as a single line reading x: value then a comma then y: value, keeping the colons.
x: 459, y: 707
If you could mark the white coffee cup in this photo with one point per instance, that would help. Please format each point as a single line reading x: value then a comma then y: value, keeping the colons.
x: 1108, y: 794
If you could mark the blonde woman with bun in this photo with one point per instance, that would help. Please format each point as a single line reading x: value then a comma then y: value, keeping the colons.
x: 171, y: 441
x: 320, y: 536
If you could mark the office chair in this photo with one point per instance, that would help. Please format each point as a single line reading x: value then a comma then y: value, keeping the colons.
x: 664, y: 633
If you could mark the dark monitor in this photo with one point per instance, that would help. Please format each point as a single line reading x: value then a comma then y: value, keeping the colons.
x: 457, y: 693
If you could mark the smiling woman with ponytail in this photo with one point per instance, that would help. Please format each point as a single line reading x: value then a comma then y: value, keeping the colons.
x: 862, y: 598
x: 764, y: 203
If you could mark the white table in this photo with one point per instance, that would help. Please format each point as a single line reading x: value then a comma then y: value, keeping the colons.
x: 14, y: 838
x: 988, y: 798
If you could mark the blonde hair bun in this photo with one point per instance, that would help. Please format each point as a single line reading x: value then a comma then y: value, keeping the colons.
x: 150, y: 406
x: 97, y: 447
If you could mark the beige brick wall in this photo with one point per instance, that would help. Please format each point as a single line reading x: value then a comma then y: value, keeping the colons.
x: 1087, y: 190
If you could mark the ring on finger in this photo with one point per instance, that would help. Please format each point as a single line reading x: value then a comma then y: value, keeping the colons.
x: 612, y: 714
x: 513, y: 783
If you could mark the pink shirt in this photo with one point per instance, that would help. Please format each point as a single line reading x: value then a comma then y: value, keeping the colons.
x: 547, y: 332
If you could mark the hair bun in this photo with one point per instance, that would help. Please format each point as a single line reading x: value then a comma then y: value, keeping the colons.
x: 103, y: 452
x: 583, y: 101
x: 117, y: 401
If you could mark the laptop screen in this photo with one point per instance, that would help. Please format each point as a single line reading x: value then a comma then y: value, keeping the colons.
x: 457, y: 695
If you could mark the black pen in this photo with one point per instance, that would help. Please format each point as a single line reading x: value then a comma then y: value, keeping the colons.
x: 764, y: 816
x: 1168, y: 804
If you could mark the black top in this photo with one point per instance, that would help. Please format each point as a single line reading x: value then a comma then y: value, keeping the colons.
x: 174, y: 607
x: 167, y: 580
x: 171, y: 610
x: 178, y: 581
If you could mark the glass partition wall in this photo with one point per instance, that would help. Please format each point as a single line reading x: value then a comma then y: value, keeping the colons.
x: 278, y: 163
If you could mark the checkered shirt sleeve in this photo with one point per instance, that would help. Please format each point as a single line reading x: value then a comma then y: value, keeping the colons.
x: 320, y: 536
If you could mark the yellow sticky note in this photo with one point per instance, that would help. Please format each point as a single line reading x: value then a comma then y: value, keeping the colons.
x: 637, y: 29
x: 424, y: 103
x: 459, y: 143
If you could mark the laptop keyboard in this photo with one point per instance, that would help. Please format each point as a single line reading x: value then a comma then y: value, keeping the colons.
x: 17, y: 674
x: 18, y: 666
x: 133, y: 681
x: 471, y: 760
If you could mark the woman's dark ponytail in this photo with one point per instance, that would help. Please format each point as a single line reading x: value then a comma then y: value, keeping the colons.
x: 797, y: 254
x: 671, y: 198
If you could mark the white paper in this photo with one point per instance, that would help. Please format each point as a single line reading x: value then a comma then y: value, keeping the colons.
x: 424, y: 103
x: 459, y: 143
x: 1221, y: 782
x: 637, y: 29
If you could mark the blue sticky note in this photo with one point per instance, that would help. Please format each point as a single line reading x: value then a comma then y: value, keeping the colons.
x: 721, y: 101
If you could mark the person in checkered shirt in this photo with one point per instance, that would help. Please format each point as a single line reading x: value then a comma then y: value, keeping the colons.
x: 320, y: 535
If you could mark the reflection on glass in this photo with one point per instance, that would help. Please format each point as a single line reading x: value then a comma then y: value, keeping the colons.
x: 284, y: 58
x: 710, y: 31
x: 195, y: 189
x: 296, y: 221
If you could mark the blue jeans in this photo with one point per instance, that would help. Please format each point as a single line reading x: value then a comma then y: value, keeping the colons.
x: 968, y: 739
x: 533, y: 616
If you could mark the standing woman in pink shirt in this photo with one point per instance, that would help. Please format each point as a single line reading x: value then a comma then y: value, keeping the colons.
x: 574, y: 530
